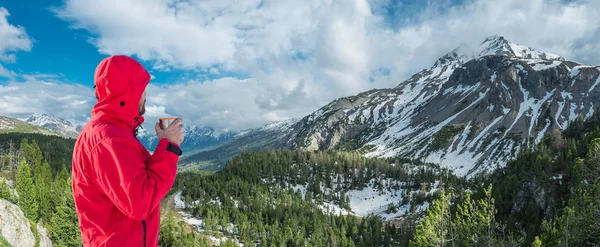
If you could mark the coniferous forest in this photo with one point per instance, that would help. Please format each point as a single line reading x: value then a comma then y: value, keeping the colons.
x: 548, y: 196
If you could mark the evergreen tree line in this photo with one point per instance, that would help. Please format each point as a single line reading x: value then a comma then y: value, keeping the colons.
x: 327, y: 176
x: 57, y: 151
x: 44, y: 197
x: 251, y: 200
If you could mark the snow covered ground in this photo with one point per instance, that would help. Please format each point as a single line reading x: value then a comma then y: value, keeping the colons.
x: 331, y: 208
x: 368, y: 201
x: 371, y: 201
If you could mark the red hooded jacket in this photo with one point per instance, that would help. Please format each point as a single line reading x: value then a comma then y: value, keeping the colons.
x: 117, y: 184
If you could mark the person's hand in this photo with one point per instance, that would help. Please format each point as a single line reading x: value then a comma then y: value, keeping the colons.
x: 174, y: 133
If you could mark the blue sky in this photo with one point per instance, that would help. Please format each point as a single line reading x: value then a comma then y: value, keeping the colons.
x: 61, y: 50
x: 235, y: 65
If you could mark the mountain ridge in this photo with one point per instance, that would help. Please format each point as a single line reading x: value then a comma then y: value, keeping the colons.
x: 474, y: 110
x: 59, y: 125
x: 13, y: 125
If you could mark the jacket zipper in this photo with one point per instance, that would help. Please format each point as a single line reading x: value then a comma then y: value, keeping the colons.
x: 144, y: 226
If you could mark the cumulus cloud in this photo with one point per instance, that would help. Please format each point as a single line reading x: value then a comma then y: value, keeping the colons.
x: 12, y: 39
x: 38, y: 94
x: 227, y: 104
x: 299, y: 55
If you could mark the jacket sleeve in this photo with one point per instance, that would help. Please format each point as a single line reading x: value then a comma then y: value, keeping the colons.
x: 134, y: 186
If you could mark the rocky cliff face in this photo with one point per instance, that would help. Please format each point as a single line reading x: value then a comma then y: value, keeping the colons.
x: 16, y: 229
x: 468, y: 112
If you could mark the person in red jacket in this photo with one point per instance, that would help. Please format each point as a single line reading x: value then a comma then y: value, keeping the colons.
x: 117, y: 184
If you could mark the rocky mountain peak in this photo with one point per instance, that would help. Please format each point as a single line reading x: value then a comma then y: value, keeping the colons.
x: 61, y: 126
x: 498, y: 45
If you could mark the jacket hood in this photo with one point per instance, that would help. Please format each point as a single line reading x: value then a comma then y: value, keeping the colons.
x: 120, y: 82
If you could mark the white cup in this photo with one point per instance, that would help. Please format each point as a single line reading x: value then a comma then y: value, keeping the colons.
x: 166, y: 122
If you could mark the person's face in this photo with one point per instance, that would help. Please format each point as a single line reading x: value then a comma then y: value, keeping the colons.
x: 142, y: 105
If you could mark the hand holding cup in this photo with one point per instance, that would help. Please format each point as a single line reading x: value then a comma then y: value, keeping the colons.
x: 172, y: 130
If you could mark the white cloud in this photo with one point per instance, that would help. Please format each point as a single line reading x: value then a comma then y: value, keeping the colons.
x: 226, y: 104
x: 299, y: 55
x: 12, y: 38
x: 36, y: 95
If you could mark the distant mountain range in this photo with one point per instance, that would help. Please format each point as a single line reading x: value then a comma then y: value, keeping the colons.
x: 271, y: 136
x: 10, y: 125
x: 196, y: 137
x: 61, y: 126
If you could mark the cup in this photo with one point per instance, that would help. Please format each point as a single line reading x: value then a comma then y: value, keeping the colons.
x: 166, y: 122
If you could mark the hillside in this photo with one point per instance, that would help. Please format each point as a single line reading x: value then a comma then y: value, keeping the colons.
x: 473, y: 111
x: 552, y: 188
x: 61, y: 126
x: 11, y: 125
x: 307, y: 192
x: 271, y: 136
x: 34, y: 181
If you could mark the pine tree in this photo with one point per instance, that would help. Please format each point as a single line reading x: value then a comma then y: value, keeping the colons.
x: 43, y: 182
x: 27, y: 192
x: 486, y: 211
x: 5, y: 190
x: 434, y: 229
x: 466, y: 222
x: 65, y: 225
x: 32, y: 153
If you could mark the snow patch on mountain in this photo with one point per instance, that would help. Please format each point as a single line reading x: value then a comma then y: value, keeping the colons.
x: 498, y: 45
x: 62, y: 126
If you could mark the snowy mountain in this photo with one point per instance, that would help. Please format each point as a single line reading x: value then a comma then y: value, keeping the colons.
x: 8, y: 125
x: 63, y: 127
x: 473, y: 110
x: 196, y: 137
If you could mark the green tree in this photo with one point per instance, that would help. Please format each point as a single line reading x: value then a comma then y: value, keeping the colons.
x: 577, y: 224
x: 65, y: 225
x: 32, y: 154
x: 486, y: 212
x: 5, y: 191
x: 536, y: 242
x: 434, y: 229
x: 27, y: 192
x: 466, y: 222
x: 43, y: 183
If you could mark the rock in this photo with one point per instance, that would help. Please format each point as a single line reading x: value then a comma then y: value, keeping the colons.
x: 16, y: 229
x: 44, y: 239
